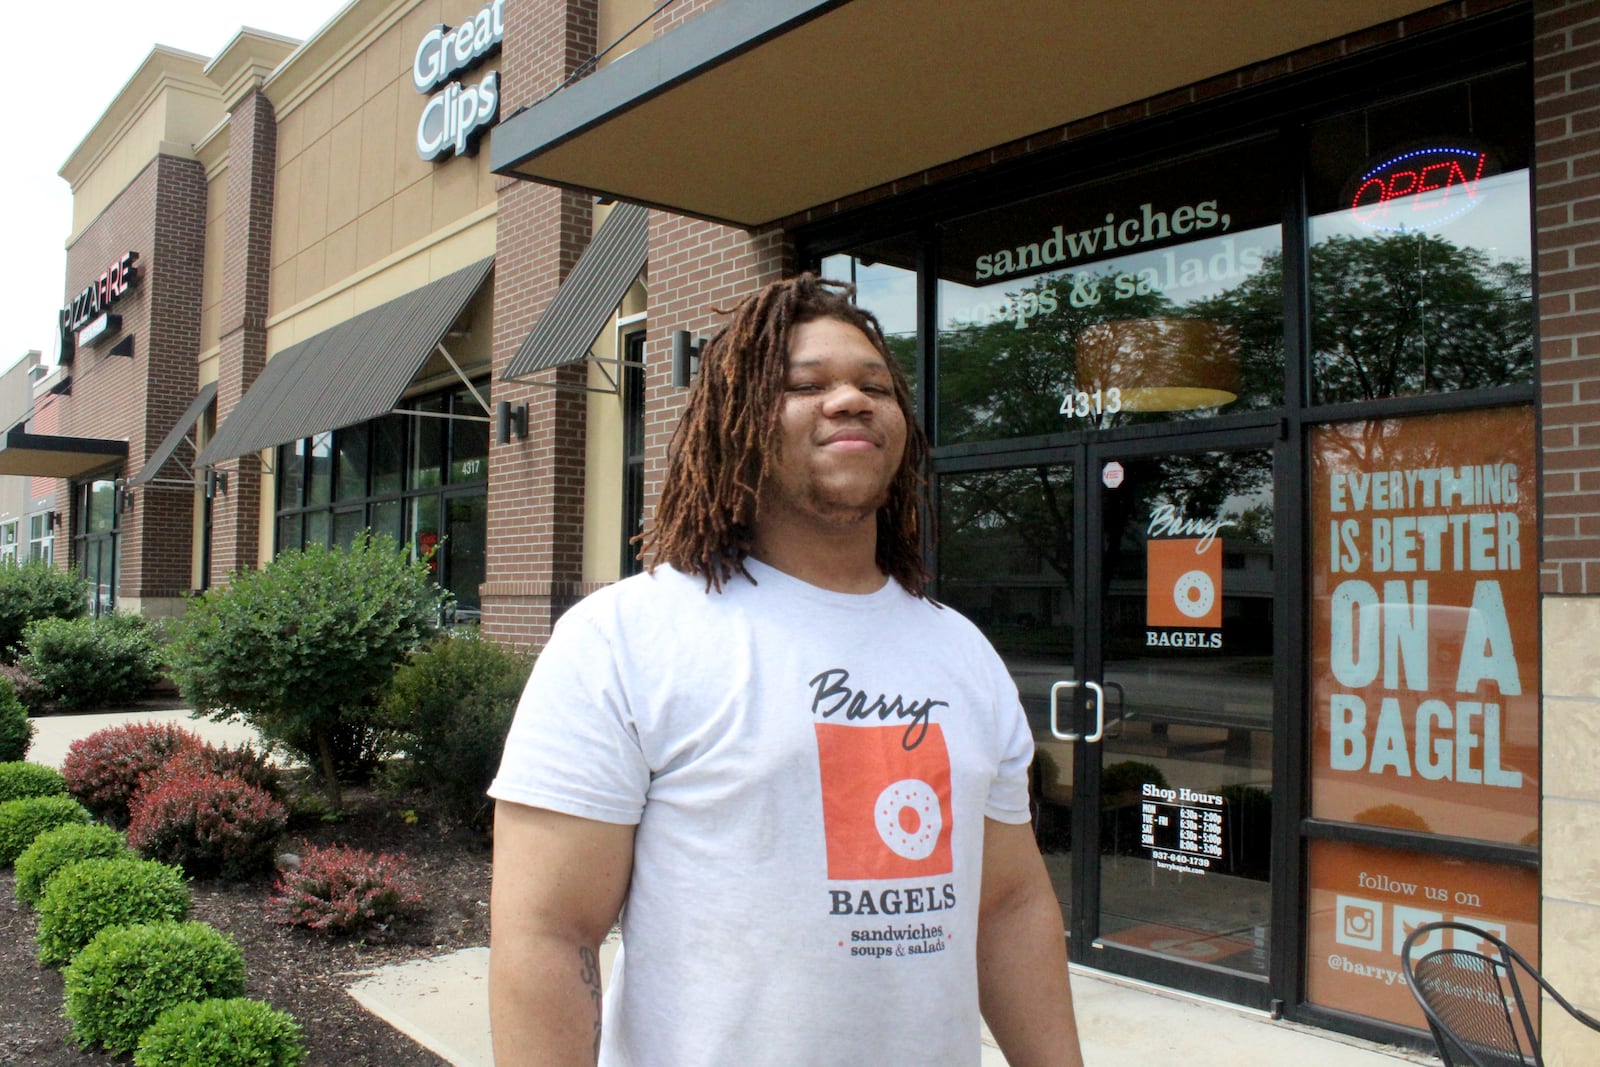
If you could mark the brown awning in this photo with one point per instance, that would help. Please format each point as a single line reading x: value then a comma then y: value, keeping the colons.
x: 590, y: 295
x: 44, y: 455
x: 348, y: 374
x: 758, y: 110
x: 177, y: 435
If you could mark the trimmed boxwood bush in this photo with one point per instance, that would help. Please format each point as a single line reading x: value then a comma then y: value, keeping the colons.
x: 341, y: 889
x: 92, y: 895
x: 91, y: 662
x: 23, y: 820
x: 36, y: 590
x: 20, y: 778
x: 128, y: 975
x: 208, y: 824
x: 62, y: 847
x: 237, y: 1032
x: 105, y: 769
x: 451, y: 706
x: 16, y: 729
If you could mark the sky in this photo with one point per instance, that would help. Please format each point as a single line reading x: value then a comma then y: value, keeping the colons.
x: 65, y: 82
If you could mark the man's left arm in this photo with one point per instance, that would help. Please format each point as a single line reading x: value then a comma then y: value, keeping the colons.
x: 1023, y: 989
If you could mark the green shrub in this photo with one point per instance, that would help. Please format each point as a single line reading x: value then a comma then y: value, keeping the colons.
x: 91, y: 895
x: 36, y: 590
x: 301, y: 649
x: 124, y: 978
x: 23, y: 820
x: 209, y: 824
x: 56, y: 849
x: 91, y: 662
x: 451, y: 706
x: 16, y: 729
x: 20, y: 779
x: 221, y: 1033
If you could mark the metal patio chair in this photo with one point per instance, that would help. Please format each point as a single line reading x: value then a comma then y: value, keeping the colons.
x: 1475, y: 999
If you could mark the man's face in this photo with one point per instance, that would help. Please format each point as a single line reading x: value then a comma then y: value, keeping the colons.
x: 843, y: 434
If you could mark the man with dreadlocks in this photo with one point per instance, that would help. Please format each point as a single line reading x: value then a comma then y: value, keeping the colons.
x: 801, y: 783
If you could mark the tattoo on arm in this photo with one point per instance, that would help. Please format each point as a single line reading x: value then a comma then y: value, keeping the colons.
x: 590, y: 974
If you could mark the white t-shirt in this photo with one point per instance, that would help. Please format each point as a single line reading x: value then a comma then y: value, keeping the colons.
x: 809, y: 772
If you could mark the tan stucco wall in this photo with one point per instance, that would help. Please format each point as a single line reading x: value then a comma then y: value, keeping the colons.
x: 165, y: 108
x: 617, y: 17
x: 1571, y: 811
x: 603, y: 457
x: 353, y: 196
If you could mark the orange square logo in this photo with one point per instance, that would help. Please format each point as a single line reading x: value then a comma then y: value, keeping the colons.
x: 1185, y: 584
x: 885, y: 808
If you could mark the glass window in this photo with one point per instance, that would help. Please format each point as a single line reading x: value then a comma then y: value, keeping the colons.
x: 316, y: 528
x: 319, y: 474
x: 465, y: 548
x: 424, y: 536
x: 884, y: 274
x: 291, y: 474
x: 289, y: 532
x: 352, y: 463
x: 469, y: 438
x: 1154, y: 296
x: 388, y: 519
x: 388, y: 454
x: 428, y: 443
x: 632, y: 452
x: 1420, y: 244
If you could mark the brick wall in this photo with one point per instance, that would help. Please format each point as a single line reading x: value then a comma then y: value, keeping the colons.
x: 161, y: 216
x: 246, y: 275
x: 535, y: 536
x: 1566, y: 81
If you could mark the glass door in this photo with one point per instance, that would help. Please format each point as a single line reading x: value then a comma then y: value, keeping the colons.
x: 1008, y: 559
x: 1131, y: 590
x: 1182, y: 647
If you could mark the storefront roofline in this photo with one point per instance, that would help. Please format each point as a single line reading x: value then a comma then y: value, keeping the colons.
x: 759, y: 110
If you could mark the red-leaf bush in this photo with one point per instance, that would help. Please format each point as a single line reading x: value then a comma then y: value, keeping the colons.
x: 104, y: 770
x: 209, y: 824
x: 341, y: 889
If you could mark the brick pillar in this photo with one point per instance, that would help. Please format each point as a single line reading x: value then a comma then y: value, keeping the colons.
x: 157, y: 534
x: 535, y: 543
x: 246, y: 267
x: 1566, y: 69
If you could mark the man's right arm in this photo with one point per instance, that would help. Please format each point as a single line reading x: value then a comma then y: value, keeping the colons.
x: 559, y: 884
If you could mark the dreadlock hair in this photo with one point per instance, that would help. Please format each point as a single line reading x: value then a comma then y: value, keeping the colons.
x: 729, y: 437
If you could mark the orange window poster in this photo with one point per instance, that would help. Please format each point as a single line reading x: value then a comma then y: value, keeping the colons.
x: 1424, y: 625
x: 1363, y: 901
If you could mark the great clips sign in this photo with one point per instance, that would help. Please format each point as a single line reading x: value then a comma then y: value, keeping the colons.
x: 457, y: 113
x: 88, y: 317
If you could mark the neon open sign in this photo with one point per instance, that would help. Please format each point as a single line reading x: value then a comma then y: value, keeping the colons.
x: 1419, y: 189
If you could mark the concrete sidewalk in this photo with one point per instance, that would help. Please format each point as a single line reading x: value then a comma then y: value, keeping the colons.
x: 54, y: 733
x: 443, y: 1004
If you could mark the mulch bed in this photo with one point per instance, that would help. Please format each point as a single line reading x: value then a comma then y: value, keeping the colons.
x: 299, y: 971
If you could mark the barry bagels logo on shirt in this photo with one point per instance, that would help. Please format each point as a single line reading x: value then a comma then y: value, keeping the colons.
x: 885, y: 783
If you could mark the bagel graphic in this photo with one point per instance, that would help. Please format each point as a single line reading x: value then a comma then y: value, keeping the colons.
x: 886, y: 809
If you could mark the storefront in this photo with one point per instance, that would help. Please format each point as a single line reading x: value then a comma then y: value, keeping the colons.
x: 1233, y: 393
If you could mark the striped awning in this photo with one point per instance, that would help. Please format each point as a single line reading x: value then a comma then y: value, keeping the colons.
x: 177, y: 435
x: 351, y: 373
x: 586, y: 300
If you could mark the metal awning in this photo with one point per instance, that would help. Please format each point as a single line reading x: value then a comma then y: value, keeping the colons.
x: 44, y: 455
x: 348, y: 374
x: 586, y: 300
x: 758, y: 110
x: 177, y: 435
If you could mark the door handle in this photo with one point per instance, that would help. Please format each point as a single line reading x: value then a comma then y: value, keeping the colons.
x: 1099, y: 711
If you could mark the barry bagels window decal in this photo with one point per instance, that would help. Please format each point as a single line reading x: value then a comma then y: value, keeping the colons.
x: 1183, y: 601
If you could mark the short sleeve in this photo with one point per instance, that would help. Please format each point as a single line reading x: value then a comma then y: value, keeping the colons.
x: 1008, y: 794
x: 573, y: 746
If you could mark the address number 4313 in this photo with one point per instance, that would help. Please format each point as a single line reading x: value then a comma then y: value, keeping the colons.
x: 1099, y: 402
